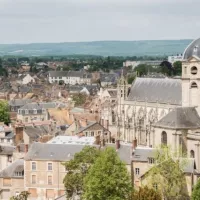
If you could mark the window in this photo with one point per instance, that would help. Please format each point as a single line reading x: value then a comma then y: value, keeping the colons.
x: 86, y: 134
x: 164, y: 138
x: 35, y: 111
x: 194, y: 70
x: 194, y: 85
x: 50, y: 180
x: 191, y: 154
x: 137, y: 171
x: 185, y: 70
x: 43, y: 110
x: 20, y: 174
x: 6, y: 182
x: 33, y: 166
x: 26, y: 112
x: 92, y: 133
x: 33, y: 179
x: 9, y: 158
x: 155, y: 186
x: 50, y: 167
x: 151, y: 160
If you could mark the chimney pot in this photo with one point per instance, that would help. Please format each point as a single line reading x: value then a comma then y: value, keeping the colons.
x: 117, y: 144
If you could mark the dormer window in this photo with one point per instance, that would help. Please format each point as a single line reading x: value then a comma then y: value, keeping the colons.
x: 194, y: 85
x: 35, y: 111
x: 26, y: 111
x: 151, y: 160
x: 194, y: 70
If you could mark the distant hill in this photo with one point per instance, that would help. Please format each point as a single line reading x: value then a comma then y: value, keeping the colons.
x: 102, y: 48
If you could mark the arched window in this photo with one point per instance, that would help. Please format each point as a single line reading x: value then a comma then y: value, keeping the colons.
x: 191, y: 154
x: 194, y: 70
x: 164, y: 138
x: 193, y: 85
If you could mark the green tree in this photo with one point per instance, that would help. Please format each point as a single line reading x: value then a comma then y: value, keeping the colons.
x: 4, y: 112
x: 77, y: 169
x: 177, y: 68
x: 22, y: 196
x: 167, y: 174
x: 196, y: 191
x: 145, y: 193
x: 79, y: 99
x: 108, y: 178
x: 130, y: 79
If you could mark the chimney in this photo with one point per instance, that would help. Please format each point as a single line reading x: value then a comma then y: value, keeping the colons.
x: 134, y: 144
x: 26, y: 148
x: 117, y: 144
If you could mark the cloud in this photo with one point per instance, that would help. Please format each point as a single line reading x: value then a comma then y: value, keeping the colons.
x: 24, y: 21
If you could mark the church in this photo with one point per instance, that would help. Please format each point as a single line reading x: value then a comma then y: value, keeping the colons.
x: 157, y: 111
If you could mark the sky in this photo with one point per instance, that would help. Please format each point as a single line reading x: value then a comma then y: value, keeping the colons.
x: 41, y: 21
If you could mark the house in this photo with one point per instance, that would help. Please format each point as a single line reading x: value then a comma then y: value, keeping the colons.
x: 12, y: 180
x: 44, y: 171
x: 35, y: 111
x: 6, y: 135
x: 108, y: 79
x: 70, y: 77
x: 6, y: 155
x: 24, y: 79
x: 15, y: 104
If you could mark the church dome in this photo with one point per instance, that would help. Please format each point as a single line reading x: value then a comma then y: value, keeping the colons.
x: 193, y: 49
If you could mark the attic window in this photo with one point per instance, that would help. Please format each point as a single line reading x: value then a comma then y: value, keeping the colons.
x: 151, y: 160
x: 194, y: 85
x: 194, y: 70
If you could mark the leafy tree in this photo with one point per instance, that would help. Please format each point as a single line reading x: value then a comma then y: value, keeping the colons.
x: 22, y: 196
x: 108, y: 178
x: 61, y: 82
x: 167, y: 174
x: 177, y: 68
x: 79, y: 99
x: 4, y: 112
x: 145, y: 193
x: 130, y: 79
x: 196, y: 191
x: 77, y: 169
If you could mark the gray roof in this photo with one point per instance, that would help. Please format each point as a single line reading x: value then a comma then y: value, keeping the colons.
x: 193, y: 49
x: 54, y: 152
x: 57, y: 73
x: 156, y: 90
x: 124, y: 152
x: 180, y: 118
x: 69, y: 74
x: 10, y: 171
x: 36, y: 131
x: 7, y: 149
x: 19, y: 102
x: 39, y: 106
x: 142, y: 154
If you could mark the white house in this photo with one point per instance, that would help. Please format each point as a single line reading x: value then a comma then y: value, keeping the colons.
x: 71, y: 77
x: 25, y: 79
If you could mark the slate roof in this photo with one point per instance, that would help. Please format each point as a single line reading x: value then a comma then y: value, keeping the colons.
x: 124, y: 152
x: 142, y: 154
x: 36, y: 131
x: 54, y: 152
x: 19, y: 102
x: 7, y: 150
x: 39, y: 106
x: 110, y: 78
x: 80, y: 74
x: 180, y: 118
x: 10, y: 171
x: 156, y: 90
x: 193, y: 49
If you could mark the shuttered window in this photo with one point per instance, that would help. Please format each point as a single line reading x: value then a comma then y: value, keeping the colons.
x: 6, y: 182
x: 50, y: 193
x: 33, y: 192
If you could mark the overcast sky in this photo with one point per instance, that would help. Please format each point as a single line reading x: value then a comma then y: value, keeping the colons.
x: 30, y: 21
